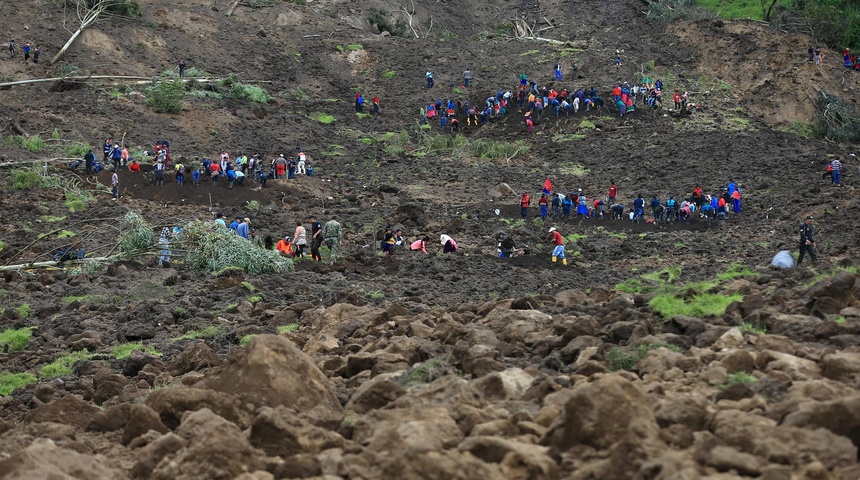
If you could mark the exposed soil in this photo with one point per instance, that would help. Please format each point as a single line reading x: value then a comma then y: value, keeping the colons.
x: 435, y: 366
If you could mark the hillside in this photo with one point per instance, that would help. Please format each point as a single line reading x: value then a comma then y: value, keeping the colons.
x: 661, y: 351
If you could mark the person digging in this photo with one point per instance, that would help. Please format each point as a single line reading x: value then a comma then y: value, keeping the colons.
x: 558, y: 251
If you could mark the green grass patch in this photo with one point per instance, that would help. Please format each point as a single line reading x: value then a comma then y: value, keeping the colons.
x: 65, y: 234
x: 249, y: 286
x: 741, y: 377
x: 26, y: 179
x: 355, y: 47
x: 575, y: 237
x: 626, y: 358
x: 79, y: 298
x: 206, y: 332
x: 749, y: 327
x: 736, y: 8
x: 77, y: 149
x: 840, y: 320
x: 669, y: 305
x: 573, y: 169
x: 9, y: 382
x: 587, y: 124
x: 529, y: 52
x: 24, y: 311
x: 15, y: 339
x: 802, y: 129
x: 292, y: 327
x: 424, y: 373
x: 52, y: 218
x: 63, y: 365
x: 363, y: 114
x: 389, y: 74
x: 33, y: 144
x: 340, y: 48
x: 322, y: 117
x: 124, y: 350
x: 737, y: 270
x: 246, y: 339
x: 255, y: 298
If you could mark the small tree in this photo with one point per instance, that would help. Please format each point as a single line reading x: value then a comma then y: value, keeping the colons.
x: 167, y: 95
x: 87, y: 12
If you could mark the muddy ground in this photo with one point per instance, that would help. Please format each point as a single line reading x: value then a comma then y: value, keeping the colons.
x: 455, y: 363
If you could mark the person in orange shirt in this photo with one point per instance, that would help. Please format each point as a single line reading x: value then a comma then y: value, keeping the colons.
x: 736, y: 201
x: 285, y: 247
x: 133, y: 166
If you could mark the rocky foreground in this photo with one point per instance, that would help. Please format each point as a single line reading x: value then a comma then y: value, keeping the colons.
x: 509, y: 389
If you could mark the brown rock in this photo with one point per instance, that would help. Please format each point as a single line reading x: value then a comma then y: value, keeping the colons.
x: 172, y: 403
x: 216, y: 449
x: 601, y: 413
x: 501, y: 427
x: 150, y: 455
x: 279, y: 432
x: 797, y: 368
x: 519, y: 460
x: 198, y: 356
x: 692, y: 411
x: 399, y: 429
x: 299, y: 466
x: 272, y: 371
x: 658, y: 361
x: 447, y: 465
x: 726, y: 459
x: 373, y: 394
x: 141, y: 420
x: 738, y: 361
x: 44, y: 460
x: 842, y: 366
x: 68, y: 410
x: 841, y: 416
x: 509, y: 384
x: 107, y: 385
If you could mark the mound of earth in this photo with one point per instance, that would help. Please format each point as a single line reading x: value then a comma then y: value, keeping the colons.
x: 429, y: 366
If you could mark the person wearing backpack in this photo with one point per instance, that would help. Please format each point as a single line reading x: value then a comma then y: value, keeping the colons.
x: 807, y: 241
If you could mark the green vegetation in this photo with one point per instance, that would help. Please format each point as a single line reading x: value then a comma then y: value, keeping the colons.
x: 424, y: 373
x: 166, y: 95
x: 389, y: 74
x: 840, y: 320
x: 15, y: 339
x: 138, y: 237
x: 125, y: 350
x: 668, y: 10
x: 340, y: 48
x: 650, y: 282
x: 214, y: 250
x: 293, y: 327
x: 255, y: 298
x: 626, y: 358
x: 587, y: 124
x: 9, y: 382
x: 63, y: 365
x: 380, y: 19
x: 253, y: 205
x: 738, y: 124
x: 741, y: 377
x: 529, y: 52
x: 246, y: 339
x: 26, y: 179
x: 573, y: 169
x: 355, y: 46
x: 701, y: 305
x: 52, y: 218
x: 731, y: 9
x: 749, y: 327
x: 206, y: 332
x: 248, y: 286
x: 834, y: 23
x: 65, y: 234
x: 802, y: 129
x: 575, y: 237
x: 737, y: 270
x: 24, y: 311
x: 322, y: 117
x: 82, y: 298
x: 839, y: 121
x: 375, y: 294
x: 33, y: 143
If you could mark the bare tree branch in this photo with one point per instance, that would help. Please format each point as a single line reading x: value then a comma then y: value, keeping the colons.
x: 86, y: 16
x: 409, y: 15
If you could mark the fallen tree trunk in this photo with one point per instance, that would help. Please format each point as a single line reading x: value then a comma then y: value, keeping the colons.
x: 139, y: 80
x: 54, y: 263
x: 233, y: 7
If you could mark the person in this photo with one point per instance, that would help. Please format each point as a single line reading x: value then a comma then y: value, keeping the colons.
x: 26, y: 52
x: 158, y: 173
x: 638, y: 208
x: 524, y: 205
x: 234, y: 225
x: 89, y: 160
x: 617, y: 210
x: 505, y: 245
x: 164, y: 242
x: 543, y: 205
x: 182, y: 68
x: 387, y: 241
x: 301, y: 239
x: 671, y: 208
x: 574, y: 70
x: 736, y: 201
x: 332, y: 234
x: 558, y: 251
x: 291, y: 168
x: 448, y: 244
x: 467, y: 78
x: 114, y: 182
x: 244, y: 229
x: 617, y: 58
x: 376, y: 104
x: 656, y: 209
x: 316, y: 238
x: 219, y: 219
x: 430, y: 81
x: 807, y: 241
x: 582, y: 204
x: 557, y: 72
x: 124, y: 155
x: 116, y: 156
x: 359, y: 102
x: 280, y: 165
x: 420, y: 245
x: 556, y: 205
x: 285, y: 247
x: 836, y: 166
x: 180, y: 173
x: 817, y: 53
x: 195, y: 171
x: 810, y: 52
x: 398, y: 238
x: 134, y: 166
x: 11, y: 49
x: 106, y: 148
x: 566, y: 206
x: 262, y: 177
x: 300, y: 167
x: 613, y: 192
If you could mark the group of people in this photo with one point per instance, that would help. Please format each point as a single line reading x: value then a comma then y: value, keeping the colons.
x: 329, y: 235
x: 28, y: 49
x: 849, y: 61
x: 392, y: 240
x: 577, y: 204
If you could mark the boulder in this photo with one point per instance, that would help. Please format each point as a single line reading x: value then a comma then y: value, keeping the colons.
x: 280, y: 432
x: 842, y: 366
x: 733, y: 338
x: 447, y: 465
x: 141, y: 419
x: 602, y: 413
x: 797, y: 368
x: 216, y: 449
x: 726, y: 459
x: 407, y: 429
x: 658, y: 361
x: 150, y: 455
x: 68, y: 410
x: 107, y: 385
x: 839, y: 286
x: 337, y: 323
x: 509, y: 384
x: 692, y: 411
x: 272, y: 371
x: 502, y: 190
x: 44, y: 460
x: 374, y: 393
x: 521, y: 461
x: 197, y: 356
x: 841, y: 416
x: 172, y: 403
x: 738, y: 360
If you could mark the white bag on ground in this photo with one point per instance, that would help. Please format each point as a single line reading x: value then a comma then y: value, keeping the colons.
x: 783, y: 259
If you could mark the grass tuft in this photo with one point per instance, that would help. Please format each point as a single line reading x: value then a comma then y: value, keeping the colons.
x: 206, y: 332
x: 125, y: 350
x: 15, y: 339
x: 63, y: 365
x: 293, y: 327
x: 9, y: 382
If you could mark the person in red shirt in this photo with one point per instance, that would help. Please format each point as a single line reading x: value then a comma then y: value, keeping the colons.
x: 214, y: 173
x: 524, y: 205
x: 376, y: 105
x: 133, y: 166
x: 698, y: 196
x: 677, y: 99
x: 543, y: 206
x: 613, y: 192
x: 558, y: 251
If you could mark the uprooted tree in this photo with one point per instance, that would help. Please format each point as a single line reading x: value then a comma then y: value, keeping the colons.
x: 88, y: 12
x: 839, y: 121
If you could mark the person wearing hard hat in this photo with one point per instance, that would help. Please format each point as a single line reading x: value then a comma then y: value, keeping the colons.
x: 558, y: 251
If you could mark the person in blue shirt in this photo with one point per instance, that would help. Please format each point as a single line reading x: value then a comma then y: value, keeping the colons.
x: 638, y: 208
x: 234, y: 225
x: 244, y: 229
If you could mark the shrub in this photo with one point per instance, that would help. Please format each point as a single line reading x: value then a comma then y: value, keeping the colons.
x: 669, y: 305
x: 839, y: 121
x: 213, y: 249
x: 253, y: 205
x: 63, y: 365
x: 25, y: 311
x: 26, y: 179
x: 252, y: 93
x: 9, y: 382
x: 138, y: 237
x: 166, y: 96
x: 77, y: 149
x: 124, y: 350
x: 33, y: 143
x: 379, y: 18
x: 15, y: 340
